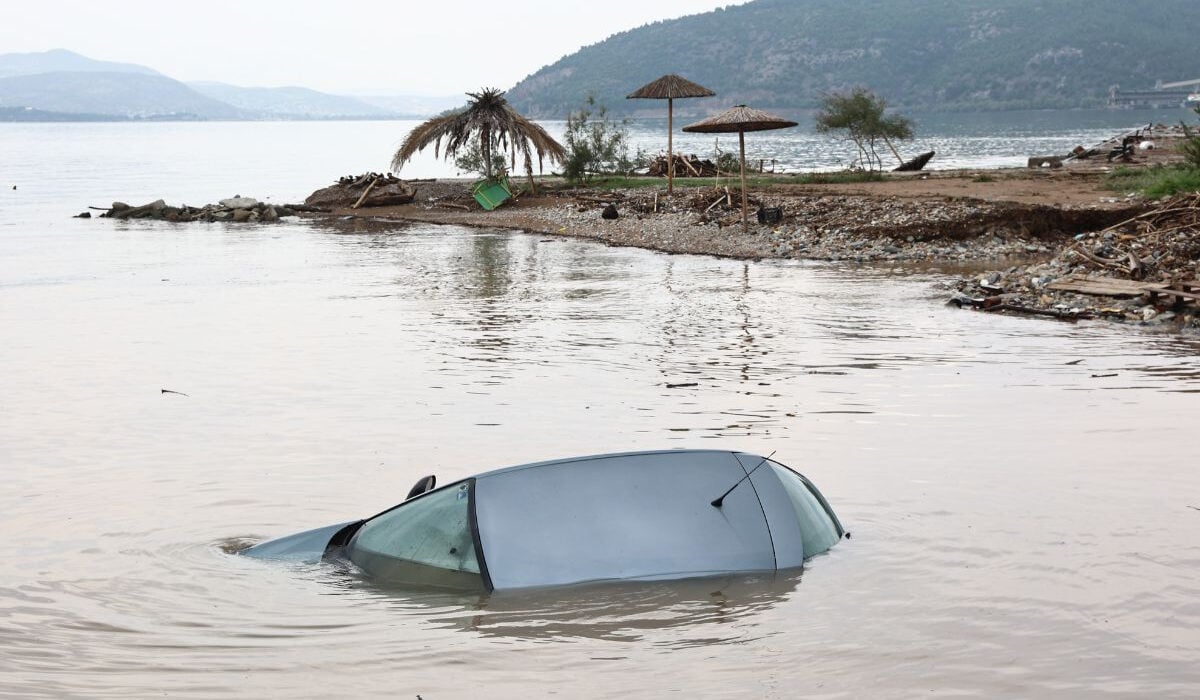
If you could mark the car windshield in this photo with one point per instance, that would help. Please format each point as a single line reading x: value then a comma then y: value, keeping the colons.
x: 426, y: 540
x: 818, y: 529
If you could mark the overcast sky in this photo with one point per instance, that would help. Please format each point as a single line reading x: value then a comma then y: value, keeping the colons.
x: 396, y: 47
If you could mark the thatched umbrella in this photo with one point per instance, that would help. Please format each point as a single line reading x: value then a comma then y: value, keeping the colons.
x: 498, y: 126
x: 740, y: 119
x: 670, y: 88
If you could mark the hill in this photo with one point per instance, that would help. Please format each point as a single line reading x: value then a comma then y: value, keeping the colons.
x: 60, y: 85
x: 126, y: 95
x: 927, y: 54
x: 62, y: 61
x: 290, y: 102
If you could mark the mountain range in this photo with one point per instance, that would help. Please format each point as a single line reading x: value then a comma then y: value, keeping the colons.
x: 773, y: 54
x: 922, y: 54
x: 60, y: 85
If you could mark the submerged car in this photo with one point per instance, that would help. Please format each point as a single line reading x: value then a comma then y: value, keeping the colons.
x: 634, y: 516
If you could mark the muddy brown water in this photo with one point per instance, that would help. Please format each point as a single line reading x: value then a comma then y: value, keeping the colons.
x: 1022, y: 494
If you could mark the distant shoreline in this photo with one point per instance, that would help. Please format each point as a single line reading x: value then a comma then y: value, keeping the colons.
x: 22, y: 115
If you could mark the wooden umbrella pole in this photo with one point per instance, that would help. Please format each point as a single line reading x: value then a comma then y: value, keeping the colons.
x: 670, y: 146
x: 745, y: 206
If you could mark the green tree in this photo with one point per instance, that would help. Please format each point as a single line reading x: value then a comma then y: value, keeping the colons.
x: 863, y: 117
x: 595, y: 143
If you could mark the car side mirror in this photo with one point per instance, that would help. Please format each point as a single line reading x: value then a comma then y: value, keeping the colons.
x: 423, y: 485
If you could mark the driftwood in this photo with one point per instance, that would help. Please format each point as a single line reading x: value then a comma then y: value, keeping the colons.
x: 366, y: 192
x: 1115, y: 287
x: 998, y: 304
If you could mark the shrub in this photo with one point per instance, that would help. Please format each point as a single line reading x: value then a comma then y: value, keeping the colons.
x: 595, y: 143
x: 1191, y: 147
x: 470, y: 159
x: 1157, y: 182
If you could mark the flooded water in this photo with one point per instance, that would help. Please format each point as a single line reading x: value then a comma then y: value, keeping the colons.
x: 1022, y: 494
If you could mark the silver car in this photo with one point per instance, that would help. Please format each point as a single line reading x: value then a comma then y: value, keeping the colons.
x: 635, y: 516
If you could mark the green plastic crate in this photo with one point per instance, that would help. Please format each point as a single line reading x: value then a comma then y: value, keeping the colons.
x: 491, y: 193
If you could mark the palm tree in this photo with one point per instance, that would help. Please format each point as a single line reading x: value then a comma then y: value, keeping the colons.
x: 498, y: 126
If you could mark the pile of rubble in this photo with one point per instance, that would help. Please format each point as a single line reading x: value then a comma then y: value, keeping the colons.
x: 1143, y: 269
x: 238, y: 209
x: 685, y: 166
x: 366, y: 190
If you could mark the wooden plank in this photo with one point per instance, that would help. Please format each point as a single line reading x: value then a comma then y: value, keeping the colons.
x: 1112, y: 287
x: 1175, y: 292
x: 1108, y: 287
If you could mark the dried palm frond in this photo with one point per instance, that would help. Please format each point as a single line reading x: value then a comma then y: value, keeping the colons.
x: 488, y: 116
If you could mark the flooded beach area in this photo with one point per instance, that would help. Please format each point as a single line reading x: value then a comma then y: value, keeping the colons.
x: 1021, y: 494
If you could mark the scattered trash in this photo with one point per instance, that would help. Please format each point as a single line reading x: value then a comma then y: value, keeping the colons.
x: 770, y: 215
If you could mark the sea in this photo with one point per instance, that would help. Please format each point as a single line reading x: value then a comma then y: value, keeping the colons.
x: 1022, y: 494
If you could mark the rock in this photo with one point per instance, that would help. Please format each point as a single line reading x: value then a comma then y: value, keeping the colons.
x: 610, y: 212
x: 241, y: 214
x: 269, y: 214
x: 146, y: 211
x: 239, y: 202
x: 83, y: 215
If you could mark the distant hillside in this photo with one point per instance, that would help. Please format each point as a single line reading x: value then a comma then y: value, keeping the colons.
x: 929, y: 54
x: 414, y: 105
x: 60, y: 85
x: 128, y: 95
x: 290, y: 102
x: 61, y: 61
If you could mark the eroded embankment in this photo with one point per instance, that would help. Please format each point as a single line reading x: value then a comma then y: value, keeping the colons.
x: 859, y: 228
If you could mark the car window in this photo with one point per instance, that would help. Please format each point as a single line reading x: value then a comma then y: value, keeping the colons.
x: 818, y: 530
x: 433, y: 530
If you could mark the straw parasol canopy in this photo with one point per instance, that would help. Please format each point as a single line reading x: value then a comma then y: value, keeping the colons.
x: 739, y: 120
x: 497, y: 125
x: 670, y: 87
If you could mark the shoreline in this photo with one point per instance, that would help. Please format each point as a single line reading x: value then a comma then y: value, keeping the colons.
x: 1030, y: 231
x: 1013, y: 225
x: 949, y: 216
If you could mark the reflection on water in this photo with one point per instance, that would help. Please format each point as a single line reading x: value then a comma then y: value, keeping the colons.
x: 721, y: 608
